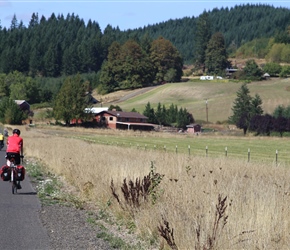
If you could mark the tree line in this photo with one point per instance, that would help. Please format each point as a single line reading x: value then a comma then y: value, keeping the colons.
x: 171, y: 116
x: 52, y: 45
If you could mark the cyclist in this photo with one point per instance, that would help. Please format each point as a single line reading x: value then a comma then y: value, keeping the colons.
x: 5, y: 131
x: 15, y: 148
x: 1, y: 140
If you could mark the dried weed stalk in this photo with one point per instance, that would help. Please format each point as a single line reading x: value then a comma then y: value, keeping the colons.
x: 167, y: 234
x: 138, y: 192
x: 220, y: 220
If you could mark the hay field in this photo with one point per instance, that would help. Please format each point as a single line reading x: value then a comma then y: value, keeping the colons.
x: 258, y: 194
x: 192, y: 94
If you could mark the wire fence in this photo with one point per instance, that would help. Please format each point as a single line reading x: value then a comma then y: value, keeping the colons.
x: 228, y: 152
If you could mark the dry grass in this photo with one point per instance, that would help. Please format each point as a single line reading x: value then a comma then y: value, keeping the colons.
x: 192, y: 95
x: 258, y: 195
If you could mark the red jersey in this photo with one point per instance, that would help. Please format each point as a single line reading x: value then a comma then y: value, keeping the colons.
x: 14, y: 143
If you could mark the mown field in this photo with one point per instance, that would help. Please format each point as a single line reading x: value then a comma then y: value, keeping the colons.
x: 192, y: 95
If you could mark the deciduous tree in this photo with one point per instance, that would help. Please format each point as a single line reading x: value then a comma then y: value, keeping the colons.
x: 71, y: 100
x: 167, y: 61
x: 10, y: 113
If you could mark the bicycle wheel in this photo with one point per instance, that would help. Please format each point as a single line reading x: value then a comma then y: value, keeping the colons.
x: 14, y: 183
x: 14, y: 187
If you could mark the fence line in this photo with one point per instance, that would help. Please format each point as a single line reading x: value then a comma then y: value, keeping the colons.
x: 164, y: 148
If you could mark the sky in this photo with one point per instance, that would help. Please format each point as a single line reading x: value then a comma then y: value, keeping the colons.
x: 123, y: 14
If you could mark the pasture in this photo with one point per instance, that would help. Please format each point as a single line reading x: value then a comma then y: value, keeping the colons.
x: 192, y: 95
x: 218, y: 201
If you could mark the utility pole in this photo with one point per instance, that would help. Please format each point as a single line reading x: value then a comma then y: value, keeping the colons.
x: 206, y: 108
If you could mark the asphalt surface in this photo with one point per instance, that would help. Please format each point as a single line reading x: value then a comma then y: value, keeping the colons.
x: 20, y: 225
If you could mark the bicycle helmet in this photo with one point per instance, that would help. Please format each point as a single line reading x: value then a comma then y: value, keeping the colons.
x: 16, y: 131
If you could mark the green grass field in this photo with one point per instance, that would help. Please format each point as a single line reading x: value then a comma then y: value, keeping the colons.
x: 220, y: 95
x: 262, y: 149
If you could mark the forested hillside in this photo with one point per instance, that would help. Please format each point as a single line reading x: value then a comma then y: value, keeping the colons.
x: 67, y: 45
x: 239, y: 25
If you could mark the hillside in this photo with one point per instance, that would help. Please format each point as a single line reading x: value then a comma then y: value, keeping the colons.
x: 192, y: 95
x: 46, y: 49
x: 239, y: 25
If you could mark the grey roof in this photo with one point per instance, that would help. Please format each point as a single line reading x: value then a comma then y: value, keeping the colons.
x: 125, y: 114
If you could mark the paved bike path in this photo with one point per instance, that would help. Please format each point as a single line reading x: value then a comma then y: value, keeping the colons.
x: 20, y: 226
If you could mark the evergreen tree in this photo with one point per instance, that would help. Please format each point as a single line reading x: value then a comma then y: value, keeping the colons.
x: 150, y: 113
x: 172, y: 114
x: 14, y: 23
x: 4, y: 87
x: 34, y: 21
x: 251, y: 71
x: 183, y: 118
x: 145, y: 43
x: 282, y: 111
x: 244, y: 108
x: 256, y: 106
x: 159, y: 114
x: 201, y: 39
x: 216, y: 60
x: 110, y: 76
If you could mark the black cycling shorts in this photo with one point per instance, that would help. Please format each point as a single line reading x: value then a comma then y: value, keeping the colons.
x: 16, y: 157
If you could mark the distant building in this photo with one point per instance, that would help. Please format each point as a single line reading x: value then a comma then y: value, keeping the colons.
x: 23, y: 105
x: 193, y: 128
x: 229, y: 72
x: 124, y: 120
x: 25, y: 108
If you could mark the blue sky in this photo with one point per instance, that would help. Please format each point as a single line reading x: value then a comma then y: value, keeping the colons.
x: 124, y: 14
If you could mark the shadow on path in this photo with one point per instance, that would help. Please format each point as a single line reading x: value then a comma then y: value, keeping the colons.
x: 27, y: 193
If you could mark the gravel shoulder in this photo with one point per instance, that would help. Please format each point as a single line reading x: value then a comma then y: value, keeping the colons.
x: 69, y: 227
